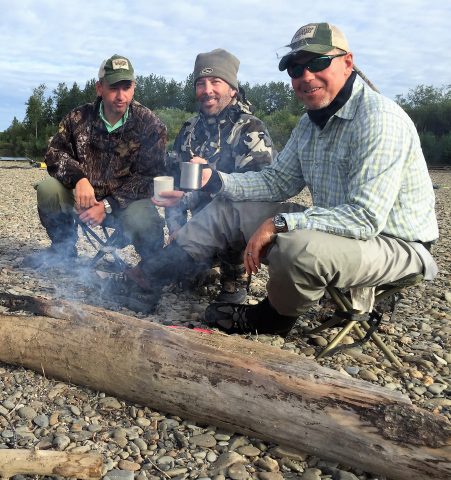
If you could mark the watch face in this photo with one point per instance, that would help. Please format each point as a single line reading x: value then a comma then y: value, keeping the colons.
x: 279, y: 223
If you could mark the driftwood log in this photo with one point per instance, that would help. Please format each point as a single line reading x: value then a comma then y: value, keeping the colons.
x: 230, y: 382
x: 87, y: 466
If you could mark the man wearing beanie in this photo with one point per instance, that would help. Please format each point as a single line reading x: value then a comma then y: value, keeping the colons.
x: 101, y: 163
x: 229, y: 138
x: 372, y: 219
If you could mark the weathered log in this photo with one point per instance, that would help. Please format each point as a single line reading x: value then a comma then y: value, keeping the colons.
x: 233, y: 383
x: 87, y: 466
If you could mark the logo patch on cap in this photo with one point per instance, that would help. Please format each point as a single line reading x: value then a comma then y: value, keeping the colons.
x: 120, y: 64
x: 305, y: 32
x: 206, y: 71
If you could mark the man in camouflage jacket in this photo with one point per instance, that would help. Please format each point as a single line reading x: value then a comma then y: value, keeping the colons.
x: 101, y: 164
x: 229, y: 138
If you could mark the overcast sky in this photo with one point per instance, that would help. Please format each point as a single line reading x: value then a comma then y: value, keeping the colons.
x: 397, y: 44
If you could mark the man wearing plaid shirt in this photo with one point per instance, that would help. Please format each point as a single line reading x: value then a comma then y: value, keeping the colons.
x: 372, y: 219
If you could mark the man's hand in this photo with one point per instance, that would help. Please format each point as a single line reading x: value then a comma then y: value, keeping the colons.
x: 93, y: 216
x: 84, y: 195
x: 171, y: 198
x: 206, y: 172
x: 257, y: 245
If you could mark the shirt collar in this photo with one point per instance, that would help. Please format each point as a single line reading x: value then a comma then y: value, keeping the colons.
x: 108, y: 125
x: 349, y: 109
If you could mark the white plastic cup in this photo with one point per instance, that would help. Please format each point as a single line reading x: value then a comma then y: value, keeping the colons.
x: 162, y: 184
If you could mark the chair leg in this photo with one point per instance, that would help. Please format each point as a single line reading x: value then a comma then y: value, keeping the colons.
x: 337, y: 339
x: 104, y: 246
x: 387, y: 352
x: 345, y: 305
x: 325, y: 325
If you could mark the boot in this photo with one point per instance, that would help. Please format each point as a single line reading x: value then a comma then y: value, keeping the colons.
x: 234, y: 283
x: 170, y: 265
x: 252, y: 319
x: 62, y: 231
x: 61, y: 227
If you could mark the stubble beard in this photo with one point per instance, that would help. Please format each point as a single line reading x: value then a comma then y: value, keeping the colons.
x: 222, y: 102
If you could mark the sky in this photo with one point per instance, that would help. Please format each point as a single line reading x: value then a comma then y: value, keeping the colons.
x: 398, y: 45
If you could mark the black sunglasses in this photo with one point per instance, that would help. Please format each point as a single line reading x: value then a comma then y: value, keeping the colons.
x: 296, y: 70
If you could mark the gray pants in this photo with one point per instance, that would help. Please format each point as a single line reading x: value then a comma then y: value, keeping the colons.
x: 301, y: 263
x: 141, y: 223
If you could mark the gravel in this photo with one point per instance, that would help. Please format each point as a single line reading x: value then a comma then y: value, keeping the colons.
x: 137, y: 442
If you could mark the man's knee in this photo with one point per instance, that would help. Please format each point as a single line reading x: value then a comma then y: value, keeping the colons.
x: 141, y: 217
x: 312, y: 255
x: 49, y: 187
x: 52, y: 194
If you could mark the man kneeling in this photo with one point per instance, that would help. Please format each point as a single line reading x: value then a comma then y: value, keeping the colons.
x: 372, y: 219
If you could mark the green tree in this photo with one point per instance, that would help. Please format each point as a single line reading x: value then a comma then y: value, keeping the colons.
x: 430, y: 109
x: 39, y: 110
x: 272, y: 97
x: 424, y: 95
x: 173, y: 118
x: 65, y: 100
x: 187, y: 97
x: 13, y: 139
x: 280, y: 125
x: 89, y: 92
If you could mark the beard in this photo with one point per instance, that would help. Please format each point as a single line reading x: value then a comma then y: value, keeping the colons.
x: 212, y: 110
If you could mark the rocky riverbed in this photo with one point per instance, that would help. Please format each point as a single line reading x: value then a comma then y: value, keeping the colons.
x: 138, y: 442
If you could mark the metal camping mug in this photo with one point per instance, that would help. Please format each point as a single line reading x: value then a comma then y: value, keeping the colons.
x: 191, y: 176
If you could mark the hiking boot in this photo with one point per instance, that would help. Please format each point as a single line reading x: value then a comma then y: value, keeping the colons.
x: 136, y: 275
x: 234, y: 283
x: 172, y: 264
x: 57, y: 255
x: 252, y: 319
x: 231, y: 292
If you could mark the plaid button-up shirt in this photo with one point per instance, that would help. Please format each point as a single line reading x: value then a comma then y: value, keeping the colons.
x: 365, y: 171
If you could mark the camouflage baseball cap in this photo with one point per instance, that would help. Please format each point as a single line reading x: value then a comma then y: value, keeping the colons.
x: 316, y: 38
x: 116, y: 69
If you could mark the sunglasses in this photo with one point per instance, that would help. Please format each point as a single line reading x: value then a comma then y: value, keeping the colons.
x: 317, y: 64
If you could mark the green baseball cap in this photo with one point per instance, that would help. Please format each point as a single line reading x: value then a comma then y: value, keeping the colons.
x: 316, y: 38
x: 116, y: 69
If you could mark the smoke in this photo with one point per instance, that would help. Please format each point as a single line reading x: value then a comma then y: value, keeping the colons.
x: 85, y: 279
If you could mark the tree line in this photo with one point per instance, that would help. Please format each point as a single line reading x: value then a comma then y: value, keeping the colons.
x: 430, y: 110
x: 174, y: 102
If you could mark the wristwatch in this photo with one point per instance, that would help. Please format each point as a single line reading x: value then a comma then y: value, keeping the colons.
x: 107, y: 206
x: 280, y: 223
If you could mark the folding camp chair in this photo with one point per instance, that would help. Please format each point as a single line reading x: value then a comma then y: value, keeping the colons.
x: 107, y: 245
x: 364, y: 324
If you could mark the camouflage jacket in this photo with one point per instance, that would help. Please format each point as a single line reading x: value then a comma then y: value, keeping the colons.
x: 233, y: 141
x: 119, y: 165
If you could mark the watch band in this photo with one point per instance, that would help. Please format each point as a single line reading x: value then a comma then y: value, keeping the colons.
x: 107, y: 206
x: 280, y: 223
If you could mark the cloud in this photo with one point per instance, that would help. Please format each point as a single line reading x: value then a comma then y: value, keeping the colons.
x: 397, y: 44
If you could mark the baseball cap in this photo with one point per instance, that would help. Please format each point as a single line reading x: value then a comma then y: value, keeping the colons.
x: 316, y: 38
x: 116, y: 69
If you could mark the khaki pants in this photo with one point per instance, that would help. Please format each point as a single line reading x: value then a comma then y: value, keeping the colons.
x: 301, y: 263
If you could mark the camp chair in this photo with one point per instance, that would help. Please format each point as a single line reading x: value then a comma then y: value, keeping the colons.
x: 107, y: 245
x: 364, y: 324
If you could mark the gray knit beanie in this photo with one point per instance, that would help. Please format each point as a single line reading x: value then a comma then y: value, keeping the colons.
x: 217, y: 63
